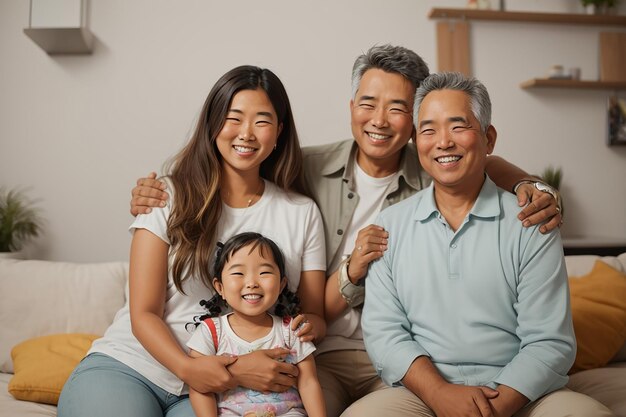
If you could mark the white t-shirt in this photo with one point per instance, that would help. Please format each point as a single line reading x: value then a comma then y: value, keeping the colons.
x: 239, y: 401
x: 291, y: 220
x: 345, y: 332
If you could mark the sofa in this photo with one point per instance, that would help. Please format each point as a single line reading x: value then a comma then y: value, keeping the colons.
x: 78, y: 301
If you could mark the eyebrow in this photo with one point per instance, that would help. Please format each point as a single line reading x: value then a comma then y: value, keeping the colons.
x: 396, y: 101
x: 450, y: 119
x: 261, y: 113
x: 265, y: 264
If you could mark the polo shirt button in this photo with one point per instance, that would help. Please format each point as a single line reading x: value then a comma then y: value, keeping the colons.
x: 340, y: 232
x: 454, y: 246
x: 350, y: 195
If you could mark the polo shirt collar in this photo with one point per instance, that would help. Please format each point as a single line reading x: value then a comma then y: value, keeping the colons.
x: 487, y: 204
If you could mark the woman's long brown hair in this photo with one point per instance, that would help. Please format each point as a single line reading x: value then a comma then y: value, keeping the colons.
x: 196, y: 171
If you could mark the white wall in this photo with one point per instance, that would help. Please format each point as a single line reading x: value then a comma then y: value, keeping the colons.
x: 78, y: 130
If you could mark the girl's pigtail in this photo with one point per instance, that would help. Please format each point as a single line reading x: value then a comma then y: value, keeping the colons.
x: 288, y: 304
x: 213, y: 308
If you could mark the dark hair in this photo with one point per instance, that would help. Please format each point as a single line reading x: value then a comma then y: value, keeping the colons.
x: 288, y: 303
x: 196, y: 170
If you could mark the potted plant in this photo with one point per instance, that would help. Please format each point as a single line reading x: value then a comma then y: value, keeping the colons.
x: 553, y: 177
x: 19, y: 222
x: 598, y: 6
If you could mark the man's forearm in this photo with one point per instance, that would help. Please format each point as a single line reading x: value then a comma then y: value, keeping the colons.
x: 423, y: 379
x: 508, y: 402
x: 504, y: 173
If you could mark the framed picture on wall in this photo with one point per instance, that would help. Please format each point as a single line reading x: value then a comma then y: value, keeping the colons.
x: 616, y: 118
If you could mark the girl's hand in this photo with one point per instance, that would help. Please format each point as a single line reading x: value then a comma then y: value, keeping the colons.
x: 303, y: 328
x: 208, y: 373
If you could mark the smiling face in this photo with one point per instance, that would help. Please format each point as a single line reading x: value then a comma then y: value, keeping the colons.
x: 451, y: 145
x: 250, y: 281
x: 382, y: 121
x: 249, y: 133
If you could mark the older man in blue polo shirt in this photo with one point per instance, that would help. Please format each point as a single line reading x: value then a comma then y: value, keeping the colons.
x: 467, y: 313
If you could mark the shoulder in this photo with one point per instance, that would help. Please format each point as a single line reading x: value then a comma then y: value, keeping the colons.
x: 321, y: 157
x: 402, y: 208
x: 289, y: 198
x: 323, y: 150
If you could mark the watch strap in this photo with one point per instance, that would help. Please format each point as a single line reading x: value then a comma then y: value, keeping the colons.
x: 353, y: 294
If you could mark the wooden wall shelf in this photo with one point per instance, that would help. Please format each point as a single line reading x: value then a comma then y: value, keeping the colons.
x: 533, y: 17
x: 573, y: 84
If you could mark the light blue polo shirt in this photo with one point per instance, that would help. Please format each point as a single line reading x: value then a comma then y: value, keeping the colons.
x: 489, y: 303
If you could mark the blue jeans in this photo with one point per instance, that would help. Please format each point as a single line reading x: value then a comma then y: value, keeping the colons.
x: 101, y: 386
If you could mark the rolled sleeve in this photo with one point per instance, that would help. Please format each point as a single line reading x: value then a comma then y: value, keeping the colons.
x: 386, y: 328
x: 547, y: 342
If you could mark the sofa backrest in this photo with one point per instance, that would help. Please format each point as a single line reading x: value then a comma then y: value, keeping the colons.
x: 578, y: 265
x: 39, y: 298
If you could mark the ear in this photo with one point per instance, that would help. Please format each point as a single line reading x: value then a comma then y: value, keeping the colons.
x: 351, y: 104
x: 491, y: 139
x: 218, y: 287
x: 280, y: 129
x: 283, y: 283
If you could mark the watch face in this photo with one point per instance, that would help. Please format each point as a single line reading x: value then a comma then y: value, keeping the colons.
x: 546, y: 189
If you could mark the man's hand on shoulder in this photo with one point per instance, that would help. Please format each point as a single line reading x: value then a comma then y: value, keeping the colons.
x: 541, y: 207
x: 149, y: 192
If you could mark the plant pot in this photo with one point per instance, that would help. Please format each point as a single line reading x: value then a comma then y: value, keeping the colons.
x: 11, y: 255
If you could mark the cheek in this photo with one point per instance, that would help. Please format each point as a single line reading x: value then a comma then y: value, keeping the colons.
x: 402, y: 124
x: 268, y: 136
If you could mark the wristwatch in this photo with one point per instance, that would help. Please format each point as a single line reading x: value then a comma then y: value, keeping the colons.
x: 353, y: 294
x: 542, y: 186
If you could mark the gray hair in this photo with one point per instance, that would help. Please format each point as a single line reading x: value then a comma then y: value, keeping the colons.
x: 394, y: 59
x: 477, y: 92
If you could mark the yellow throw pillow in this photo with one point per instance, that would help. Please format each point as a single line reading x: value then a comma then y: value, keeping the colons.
x: 43, y: 364
x: 599, y: 314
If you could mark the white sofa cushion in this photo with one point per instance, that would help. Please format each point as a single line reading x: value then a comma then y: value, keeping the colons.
x: 38, y: 298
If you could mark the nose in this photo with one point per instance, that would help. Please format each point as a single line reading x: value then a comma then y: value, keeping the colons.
x: 246, y: 133
x: 444, y: 141
x: 251, y: 282
x: 379, y: 117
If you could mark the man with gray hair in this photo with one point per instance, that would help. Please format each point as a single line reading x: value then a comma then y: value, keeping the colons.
x: 352, y: 181
x: 467, y: 312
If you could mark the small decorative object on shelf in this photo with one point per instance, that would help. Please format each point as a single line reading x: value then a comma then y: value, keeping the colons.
x: 558, y: 73
x: 479, y: 4
x: 19, y: 221
x: 617, y: 121
x: 574, y: 73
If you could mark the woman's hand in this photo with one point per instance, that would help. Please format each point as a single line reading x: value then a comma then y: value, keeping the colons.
x: 263, y: 371
x: 208, y: 373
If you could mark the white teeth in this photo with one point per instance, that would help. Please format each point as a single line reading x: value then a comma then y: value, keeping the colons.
x: 447, y: 159
x: 243, y: 148
x: 377, y: 136
x: 252, y: 296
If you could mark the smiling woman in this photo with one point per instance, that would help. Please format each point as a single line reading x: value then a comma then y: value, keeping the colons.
x: 239, y: 172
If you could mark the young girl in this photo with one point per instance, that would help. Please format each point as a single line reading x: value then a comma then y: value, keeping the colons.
x: 236, y: 174
x: 249, y: 276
